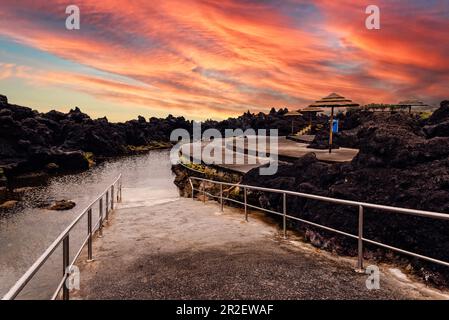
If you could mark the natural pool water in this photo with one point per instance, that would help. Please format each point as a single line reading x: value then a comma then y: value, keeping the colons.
x: 25, y: 235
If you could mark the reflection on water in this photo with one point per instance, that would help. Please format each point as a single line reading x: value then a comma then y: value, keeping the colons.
x: 25, y: 235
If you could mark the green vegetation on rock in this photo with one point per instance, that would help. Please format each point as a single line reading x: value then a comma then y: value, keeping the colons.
x: 90, y: 157
x: 154, y: 145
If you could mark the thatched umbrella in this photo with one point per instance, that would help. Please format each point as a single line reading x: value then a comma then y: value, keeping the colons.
x: 412, y: 103
x: 311, y: 112
x: 292, y: 114
x: 333, y: 101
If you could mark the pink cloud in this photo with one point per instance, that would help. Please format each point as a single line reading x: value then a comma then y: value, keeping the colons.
x: 226, y: 56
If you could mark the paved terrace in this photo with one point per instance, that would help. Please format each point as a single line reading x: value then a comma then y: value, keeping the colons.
x: 288, y: 150
x: 184, y: 249
x: 292, y: 150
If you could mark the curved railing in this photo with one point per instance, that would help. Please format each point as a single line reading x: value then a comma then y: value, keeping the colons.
x: 110, y: 197
x: 360, y: 205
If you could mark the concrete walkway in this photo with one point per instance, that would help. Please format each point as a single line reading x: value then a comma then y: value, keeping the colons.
x: 184, y: 249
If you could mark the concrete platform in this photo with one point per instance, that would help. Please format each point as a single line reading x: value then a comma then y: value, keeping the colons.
x: 291, y: 150
x: 184, y: 249
x: 288, y: 150
x: 246, y: 162
x: 303, y: 138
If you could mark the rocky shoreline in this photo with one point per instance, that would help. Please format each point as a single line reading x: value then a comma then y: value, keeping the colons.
x: 34, y: 146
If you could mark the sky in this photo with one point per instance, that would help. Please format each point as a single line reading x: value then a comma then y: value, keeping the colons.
x: 218, y: 58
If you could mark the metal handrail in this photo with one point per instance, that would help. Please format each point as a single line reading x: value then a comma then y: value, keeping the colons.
x: 64, y: 238
x: 361, y: 206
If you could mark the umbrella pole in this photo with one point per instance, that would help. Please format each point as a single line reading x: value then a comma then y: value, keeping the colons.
x: 292, y: 127
x: 331, y: 124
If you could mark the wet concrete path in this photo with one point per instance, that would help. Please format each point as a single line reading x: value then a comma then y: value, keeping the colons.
x: 184, y: 249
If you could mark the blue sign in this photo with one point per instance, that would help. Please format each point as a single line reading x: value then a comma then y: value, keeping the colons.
x: 335, y: 126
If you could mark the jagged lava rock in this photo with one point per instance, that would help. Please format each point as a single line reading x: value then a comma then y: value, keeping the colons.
x: 3, y: 100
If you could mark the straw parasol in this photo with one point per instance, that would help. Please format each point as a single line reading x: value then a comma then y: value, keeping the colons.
x: 311, y: 112
x: 310, y: 109
x: 292, y: 114
x: 412, y: 103
x: 333, y: 101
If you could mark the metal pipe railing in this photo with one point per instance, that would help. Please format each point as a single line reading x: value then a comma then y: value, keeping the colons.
x: 360, y: 205
x: 64, y: 238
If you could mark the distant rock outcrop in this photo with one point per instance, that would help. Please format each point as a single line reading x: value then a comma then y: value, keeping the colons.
x: 275, y: 119
x: 3, y: 100
x: 31, y: 141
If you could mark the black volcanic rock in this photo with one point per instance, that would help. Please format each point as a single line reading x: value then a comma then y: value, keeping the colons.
x: 441, y: 114
x: 61, y: 205
x: 3, y: 100
x: 438, y: 130
x: 30, y: 140
x: 77, y: 116
x: 276, y: 119
x: 55, y: 115
x: 438, y: 123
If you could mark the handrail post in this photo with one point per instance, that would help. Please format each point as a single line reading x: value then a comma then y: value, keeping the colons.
x: 284, y: 217
x: 101, y: 218
x: 246, y: 204
x: 89, y: 239
x: 204, y: 192
x: 221, y: 197
x: 120, y: 190
x: 107, y: 205
x: 65, y: 265
x: 112, y: 197
x: 359, y: 267
x: 63, y: 240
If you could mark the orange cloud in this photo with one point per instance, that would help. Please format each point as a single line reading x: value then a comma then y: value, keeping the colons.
x: 218, y: 58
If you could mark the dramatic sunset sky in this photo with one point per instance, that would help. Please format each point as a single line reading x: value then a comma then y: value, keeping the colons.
x: 218, y: 58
